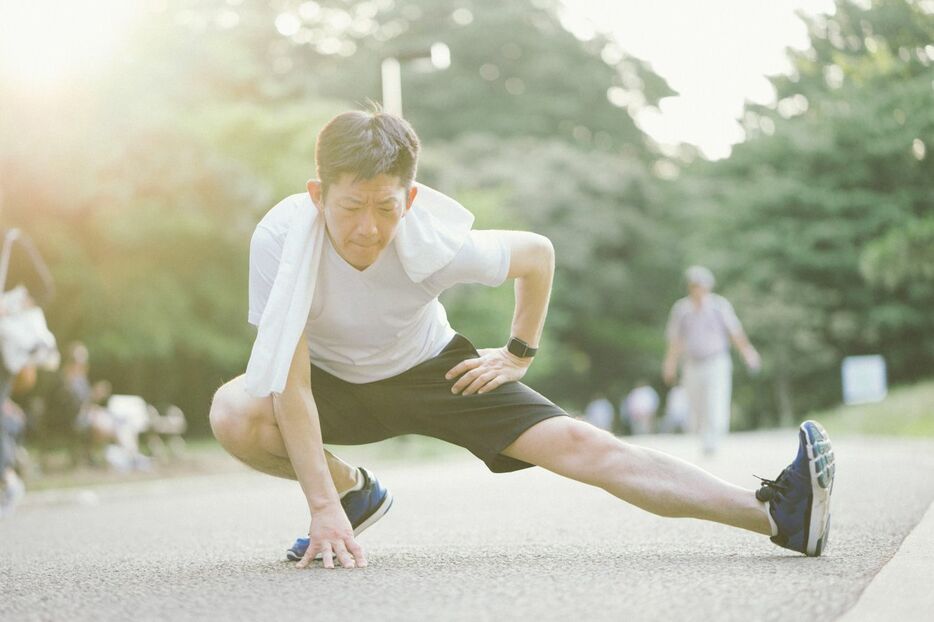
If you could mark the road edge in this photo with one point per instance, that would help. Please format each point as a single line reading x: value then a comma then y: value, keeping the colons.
x: 901, y: 590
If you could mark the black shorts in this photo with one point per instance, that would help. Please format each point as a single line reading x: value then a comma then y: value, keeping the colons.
x: 419, y: 401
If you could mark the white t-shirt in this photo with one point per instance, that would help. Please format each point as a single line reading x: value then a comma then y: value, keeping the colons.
x: 377, y: 323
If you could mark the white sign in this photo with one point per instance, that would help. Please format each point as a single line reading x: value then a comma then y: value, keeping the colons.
x: 864, y: 379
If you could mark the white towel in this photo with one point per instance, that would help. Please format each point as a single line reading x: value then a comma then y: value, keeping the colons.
x: 429, y: 236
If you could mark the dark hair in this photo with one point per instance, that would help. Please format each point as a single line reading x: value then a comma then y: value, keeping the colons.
x: 365, y: 145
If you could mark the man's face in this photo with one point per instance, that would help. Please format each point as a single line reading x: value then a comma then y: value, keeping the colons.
x: 697, y: 291
x: 362, y: 216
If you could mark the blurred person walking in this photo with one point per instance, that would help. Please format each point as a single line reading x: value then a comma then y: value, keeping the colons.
x: 599, y: 412
x: 700, y: 329
x: 677, y: 411
x: 640, y: 407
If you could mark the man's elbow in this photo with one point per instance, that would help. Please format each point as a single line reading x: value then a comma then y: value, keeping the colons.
x: 533, y: 255
x: 545, y: 251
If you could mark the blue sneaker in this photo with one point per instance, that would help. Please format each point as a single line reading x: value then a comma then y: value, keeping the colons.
x: 363, y: 508
x: 798, y: 501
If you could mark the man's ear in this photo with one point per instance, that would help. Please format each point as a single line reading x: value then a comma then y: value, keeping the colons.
x: 316, y: 194
x: 411, y: 198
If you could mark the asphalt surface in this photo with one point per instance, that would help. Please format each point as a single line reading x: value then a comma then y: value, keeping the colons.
x: 459, y: 544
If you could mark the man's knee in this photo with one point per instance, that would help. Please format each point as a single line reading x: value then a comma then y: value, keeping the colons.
x: 221, y: 413
x: 583, y: 444
x: 581, y: 435
x: 231, y: 418
x: 592, y: 451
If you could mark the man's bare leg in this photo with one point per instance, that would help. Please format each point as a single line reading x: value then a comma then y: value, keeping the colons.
x: 246, y: 427
x: 652, y: 480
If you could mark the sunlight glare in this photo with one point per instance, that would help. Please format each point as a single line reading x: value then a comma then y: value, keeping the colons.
x: 46, y: 42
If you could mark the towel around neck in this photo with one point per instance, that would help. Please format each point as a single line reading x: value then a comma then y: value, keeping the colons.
x: 428, y: 237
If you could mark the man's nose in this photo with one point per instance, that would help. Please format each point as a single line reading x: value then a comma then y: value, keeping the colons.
x: 367, y: 224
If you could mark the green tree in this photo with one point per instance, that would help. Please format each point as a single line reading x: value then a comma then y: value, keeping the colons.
x: 618, y: 256
x: 829, y: 181
x: 149, y: 264
x: 143, y: 190
x: 515, y: 71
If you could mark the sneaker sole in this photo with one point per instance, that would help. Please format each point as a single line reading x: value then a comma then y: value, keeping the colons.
x: 376, y: 515
x: 371, y: 519
x: 822, y: 469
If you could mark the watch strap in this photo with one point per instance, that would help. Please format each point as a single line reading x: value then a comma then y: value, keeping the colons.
x: 520, y: 348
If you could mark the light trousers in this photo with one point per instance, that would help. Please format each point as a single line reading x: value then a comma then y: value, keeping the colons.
x: 709, y: 385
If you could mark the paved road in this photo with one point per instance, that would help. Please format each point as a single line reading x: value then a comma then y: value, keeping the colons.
x: 459, y: 544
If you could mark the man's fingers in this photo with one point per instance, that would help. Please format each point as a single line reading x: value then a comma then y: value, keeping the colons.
x: 461, y: 367
x: 343, y: 556
x: 357, y: 551
x: 492, y: 384
x: 348, y: 553
x: 466, y: 380
x: 479, y: 382
x: 476, y: 375
x: 307, y: 558
x: 327, y: 555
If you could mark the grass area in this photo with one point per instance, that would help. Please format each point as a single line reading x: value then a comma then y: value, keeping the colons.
x: 907, y: 411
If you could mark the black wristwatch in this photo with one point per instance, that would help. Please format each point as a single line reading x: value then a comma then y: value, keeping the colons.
x: 520, y: 348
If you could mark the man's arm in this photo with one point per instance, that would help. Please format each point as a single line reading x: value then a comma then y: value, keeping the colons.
x: 297, y: 416
x: 750, y: 355
x: 672, y: 356
x: 738, y: 335
x: 675, y: 346
x: 532, y: 265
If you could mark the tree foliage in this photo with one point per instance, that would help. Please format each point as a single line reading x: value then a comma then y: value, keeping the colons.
x: 143, y: 190
x: 824, y: 192
x: 515, y: 71
x: 143, y: 196
x: 618, y: 257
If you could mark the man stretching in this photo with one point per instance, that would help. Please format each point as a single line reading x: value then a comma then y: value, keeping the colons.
x: 354, y: 347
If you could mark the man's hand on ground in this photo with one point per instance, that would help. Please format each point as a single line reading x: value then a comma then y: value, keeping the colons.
x: 332, y: 535
x: 494, y: 367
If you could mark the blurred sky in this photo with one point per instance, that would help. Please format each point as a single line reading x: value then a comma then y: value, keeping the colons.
x: 715, y: 54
